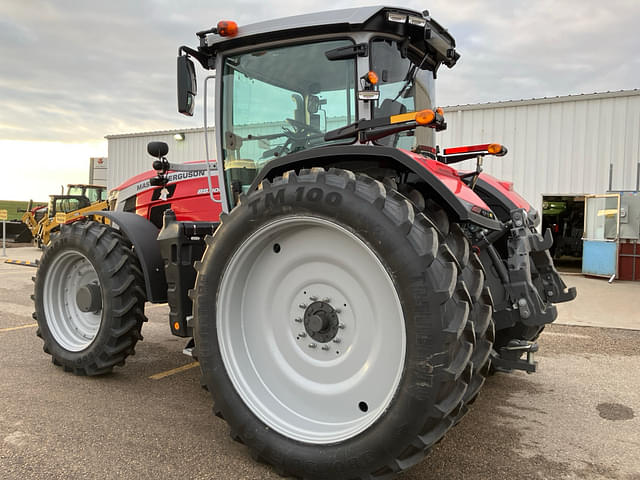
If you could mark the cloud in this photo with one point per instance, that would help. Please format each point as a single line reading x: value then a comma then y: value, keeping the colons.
x: 517, y: 49
x: 76, y: 71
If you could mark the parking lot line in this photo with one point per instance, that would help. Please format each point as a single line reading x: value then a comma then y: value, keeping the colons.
x: 188, y: 366
x: 18, y: 328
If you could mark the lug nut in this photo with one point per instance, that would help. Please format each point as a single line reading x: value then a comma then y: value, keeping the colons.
x: 298, y: 319
x: 312, y: 345
x: 337, y: 310
x: 326, y: 299
x: 303, y: 305
x: 302, y: 334
x: 336, y: 340
x: 341, y: 326
x: 325, y: 347
x: 313, y: 298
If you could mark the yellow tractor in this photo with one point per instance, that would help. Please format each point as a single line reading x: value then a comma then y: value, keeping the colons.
x: 77, y: 202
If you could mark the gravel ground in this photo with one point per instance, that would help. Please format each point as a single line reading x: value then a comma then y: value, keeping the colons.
x: 577, y: 418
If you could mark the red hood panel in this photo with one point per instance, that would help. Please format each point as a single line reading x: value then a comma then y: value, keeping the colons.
x: 187, y: 195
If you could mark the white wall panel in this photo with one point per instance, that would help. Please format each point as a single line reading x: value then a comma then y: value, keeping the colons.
x: 128, y: 153
x: 557, y: 146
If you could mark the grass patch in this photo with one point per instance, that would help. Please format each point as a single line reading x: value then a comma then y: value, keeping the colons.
x: 12, y: 207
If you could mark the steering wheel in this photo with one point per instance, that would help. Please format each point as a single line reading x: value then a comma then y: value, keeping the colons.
x: 303, y: 127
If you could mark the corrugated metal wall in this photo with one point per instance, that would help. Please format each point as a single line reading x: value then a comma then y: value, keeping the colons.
x: 557, y: 146
x: 128, y: 153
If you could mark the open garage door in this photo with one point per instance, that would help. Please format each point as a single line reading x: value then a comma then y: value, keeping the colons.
x: 564, y: 216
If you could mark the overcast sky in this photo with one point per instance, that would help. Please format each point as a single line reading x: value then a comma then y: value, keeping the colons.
x: 75, y: 71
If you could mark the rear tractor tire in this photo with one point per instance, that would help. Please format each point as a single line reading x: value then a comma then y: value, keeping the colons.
x: 472, y: 275
x: 89, y: 299
x: 330, y: 327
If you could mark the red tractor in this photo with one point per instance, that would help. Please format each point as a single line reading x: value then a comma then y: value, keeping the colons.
x: 346, y: 290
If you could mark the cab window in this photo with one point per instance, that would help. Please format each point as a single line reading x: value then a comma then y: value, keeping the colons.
x: 279, y: 101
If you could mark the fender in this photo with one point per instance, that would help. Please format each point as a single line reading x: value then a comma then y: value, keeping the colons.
x: 442, y: 180
x: 502, y: 199
x: 143, y: 235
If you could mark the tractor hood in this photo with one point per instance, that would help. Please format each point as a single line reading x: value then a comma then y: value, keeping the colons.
x: 185, y: 194
x: 141, y: 182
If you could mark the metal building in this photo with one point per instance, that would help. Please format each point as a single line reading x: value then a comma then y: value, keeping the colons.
x: 127, y: 153
x: 563, y: 146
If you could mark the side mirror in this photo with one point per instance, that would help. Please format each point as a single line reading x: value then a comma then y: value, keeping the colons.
x: 157, y: 149
x: 187, y: 87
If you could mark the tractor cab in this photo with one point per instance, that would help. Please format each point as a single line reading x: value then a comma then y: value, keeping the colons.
x: 78, y: 196
x: 94, y: 193
x: 287, y: 88
x: 66, y: 204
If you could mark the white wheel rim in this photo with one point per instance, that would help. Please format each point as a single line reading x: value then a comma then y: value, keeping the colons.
x: 73, y: 329
x: 330, y: 392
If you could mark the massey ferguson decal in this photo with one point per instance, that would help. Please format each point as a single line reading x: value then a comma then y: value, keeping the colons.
x: 174, y: 177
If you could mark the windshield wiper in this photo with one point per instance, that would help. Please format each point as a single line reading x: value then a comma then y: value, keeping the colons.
x: 411, y: 76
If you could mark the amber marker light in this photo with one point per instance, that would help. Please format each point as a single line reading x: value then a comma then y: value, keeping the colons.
x: 372, y: 78
x: 425, y: 117
x: 440, y: 112
x: 227, y: 28
x: 494, y: 148
x: 176, y: 326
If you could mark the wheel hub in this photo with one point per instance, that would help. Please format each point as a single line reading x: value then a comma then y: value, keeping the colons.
x: 89, y: 298
x: 72, y: 300
x: 317, y: 349
x: 321, y: 322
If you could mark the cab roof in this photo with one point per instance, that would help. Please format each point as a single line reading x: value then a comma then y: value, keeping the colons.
x: 431, y: 38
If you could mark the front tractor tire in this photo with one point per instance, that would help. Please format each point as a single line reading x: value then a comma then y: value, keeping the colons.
x: 330, y: 327
x: 89, y: 299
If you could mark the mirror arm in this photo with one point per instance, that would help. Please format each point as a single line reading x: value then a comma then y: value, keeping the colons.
x: 201, y: 57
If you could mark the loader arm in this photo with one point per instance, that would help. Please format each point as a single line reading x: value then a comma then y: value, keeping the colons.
x: 29, y: 220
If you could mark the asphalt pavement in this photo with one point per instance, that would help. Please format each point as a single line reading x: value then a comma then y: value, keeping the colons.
x: 577, y: 418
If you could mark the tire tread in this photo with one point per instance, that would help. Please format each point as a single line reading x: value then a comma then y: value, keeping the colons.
x: 449, y: 293
x: 125, y: 284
